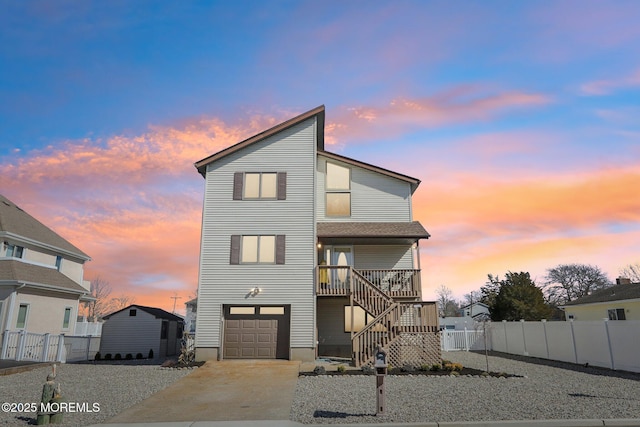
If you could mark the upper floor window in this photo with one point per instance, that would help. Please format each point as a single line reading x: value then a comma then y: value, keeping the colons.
x: 58, y: 262
x: 23, y: 310
x: 257, y: 249
x: 260, y: 186
x: 67, y: 318
x: 338, y: 190
x: 14, y: 251
x: 616, y: 314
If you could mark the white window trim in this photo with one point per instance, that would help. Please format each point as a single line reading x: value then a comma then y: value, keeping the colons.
x: 259, y: 236
x: 260, y: 197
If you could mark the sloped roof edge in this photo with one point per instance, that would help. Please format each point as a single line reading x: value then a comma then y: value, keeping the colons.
x: 628, y: 291
x: 413, y: 181
x: 154, y: 311
x: 201, y: 165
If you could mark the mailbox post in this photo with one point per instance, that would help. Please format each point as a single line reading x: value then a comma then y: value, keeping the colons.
x: 380, y: 365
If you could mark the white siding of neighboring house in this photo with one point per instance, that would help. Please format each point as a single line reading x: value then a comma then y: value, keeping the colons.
x: 124, y: 334
x: 45, y: 313
x: 374, y: 197
x: 292, y: 151
x: 382, y: 257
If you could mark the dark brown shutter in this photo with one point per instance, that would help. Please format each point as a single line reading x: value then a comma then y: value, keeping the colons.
x: 282, y: 185
x: 280, y: 249
x: 238, y: 179
x: 235, y: 249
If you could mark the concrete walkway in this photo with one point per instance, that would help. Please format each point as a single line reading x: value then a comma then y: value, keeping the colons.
x: 222, y: 391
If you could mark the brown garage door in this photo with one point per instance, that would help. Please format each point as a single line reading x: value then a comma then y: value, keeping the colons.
x: 250, y: 337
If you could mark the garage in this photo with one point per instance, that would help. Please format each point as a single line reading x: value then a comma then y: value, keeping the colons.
x: 256, y: 332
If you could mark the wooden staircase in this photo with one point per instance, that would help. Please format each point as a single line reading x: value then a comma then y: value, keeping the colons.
x: 392, y: 318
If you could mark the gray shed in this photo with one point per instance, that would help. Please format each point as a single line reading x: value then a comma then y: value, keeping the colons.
x: 138, y: 329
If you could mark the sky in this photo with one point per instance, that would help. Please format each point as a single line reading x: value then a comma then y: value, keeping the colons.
x: 521, y: 119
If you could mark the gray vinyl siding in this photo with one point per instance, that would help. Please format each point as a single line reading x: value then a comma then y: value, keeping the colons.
x: 374, y: 197
x: 366, y: 257
x: 124, y: 334
x: 292, y: 151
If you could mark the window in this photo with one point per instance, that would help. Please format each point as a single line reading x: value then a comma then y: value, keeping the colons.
x: 616, y: 314
x: 133, y: 312
x: 67, y: 317
x: 22, y: 316
x: 271, y: 310
x: 260, y: 185
x: 14, y: 251
x: 58, y: 262
x: 257, y: 249
x: 242, y: 310
x: 338, y: 188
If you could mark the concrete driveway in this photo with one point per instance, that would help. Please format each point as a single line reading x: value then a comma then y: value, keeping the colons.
x: 222, y: 391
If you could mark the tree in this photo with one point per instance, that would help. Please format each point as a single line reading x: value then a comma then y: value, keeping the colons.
x: 567, y: 282
x: 519, y: 298
x: 100, y: 306
x: 447, y: 305
x: 632, y: 272
x: 489, y: 291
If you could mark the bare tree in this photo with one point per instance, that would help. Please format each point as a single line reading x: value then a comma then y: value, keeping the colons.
x: 448, y: 307
x: 122, y: 301
x: 632, y: 272
x: 101, y: 305
x: 567, y: 282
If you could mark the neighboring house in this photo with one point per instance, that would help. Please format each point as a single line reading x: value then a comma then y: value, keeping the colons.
x: 470, y: 314
x: 308, y: 253
x: 138, y: 329
x: 41, y: 275
x: 619, y: 302
x: 190, y: 316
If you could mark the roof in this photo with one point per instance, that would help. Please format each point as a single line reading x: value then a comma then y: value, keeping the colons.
x: 318, y: 112
x: 157, y: 312
x: 413, y: 181
x: 407, y: 230
x: 192, y: 302
x: 37, y: 276
x: 613, y: 293
x: 17, y: 223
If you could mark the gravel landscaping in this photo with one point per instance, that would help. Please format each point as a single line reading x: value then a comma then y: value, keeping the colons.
x: 545, y: 391
x: 114, y: 387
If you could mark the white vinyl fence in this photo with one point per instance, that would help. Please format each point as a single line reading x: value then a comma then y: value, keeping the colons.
x: 84, y: 329
x: 27, y: 346
x: 22, y: 345
x: 609, y: 344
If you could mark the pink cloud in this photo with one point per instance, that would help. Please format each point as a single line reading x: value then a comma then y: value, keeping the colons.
x: 458, y: 105
x: 607, y: 87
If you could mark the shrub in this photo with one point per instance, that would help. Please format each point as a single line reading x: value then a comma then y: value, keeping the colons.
x: 455, y: 373
x: 341, y: 369
x: 436, y: 367
x: 150, y: 356
x: 453, y: 367
x: 139, y: 356
x: 129, y: 356
x: 118, y: 356
x: 319, y: 370
x: 98, y: 356
x: 107, y: 356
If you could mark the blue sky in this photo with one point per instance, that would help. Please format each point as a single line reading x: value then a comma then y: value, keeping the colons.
x: 522, y: 119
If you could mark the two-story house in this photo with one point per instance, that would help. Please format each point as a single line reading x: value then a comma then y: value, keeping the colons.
x: 308, y: 253
x: 41, y: 275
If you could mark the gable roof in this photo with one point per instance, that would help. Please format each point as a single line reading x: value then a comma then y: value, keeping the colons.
x: 37, y: 276
x: 14, y: 222
x: 201, y: 165
x: 613, y: 293
x: 157, y: 312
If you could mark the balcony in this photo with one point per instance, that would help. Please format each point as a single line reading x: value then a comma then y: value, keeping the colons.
x: 397, y: 283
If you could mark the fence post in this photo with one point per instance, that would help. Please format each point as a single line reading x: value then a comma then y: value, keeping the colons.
x: 88, y: 346
x: 45, y: 348
x: 524, y: 338
x: 546, y: 340
x: 20, y: 345
x: 60, y: 348
x: 606, y: 328
x: 573, y: 340
x: 466, y: 339
x: 5, y: 344
x: 506, y: 341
